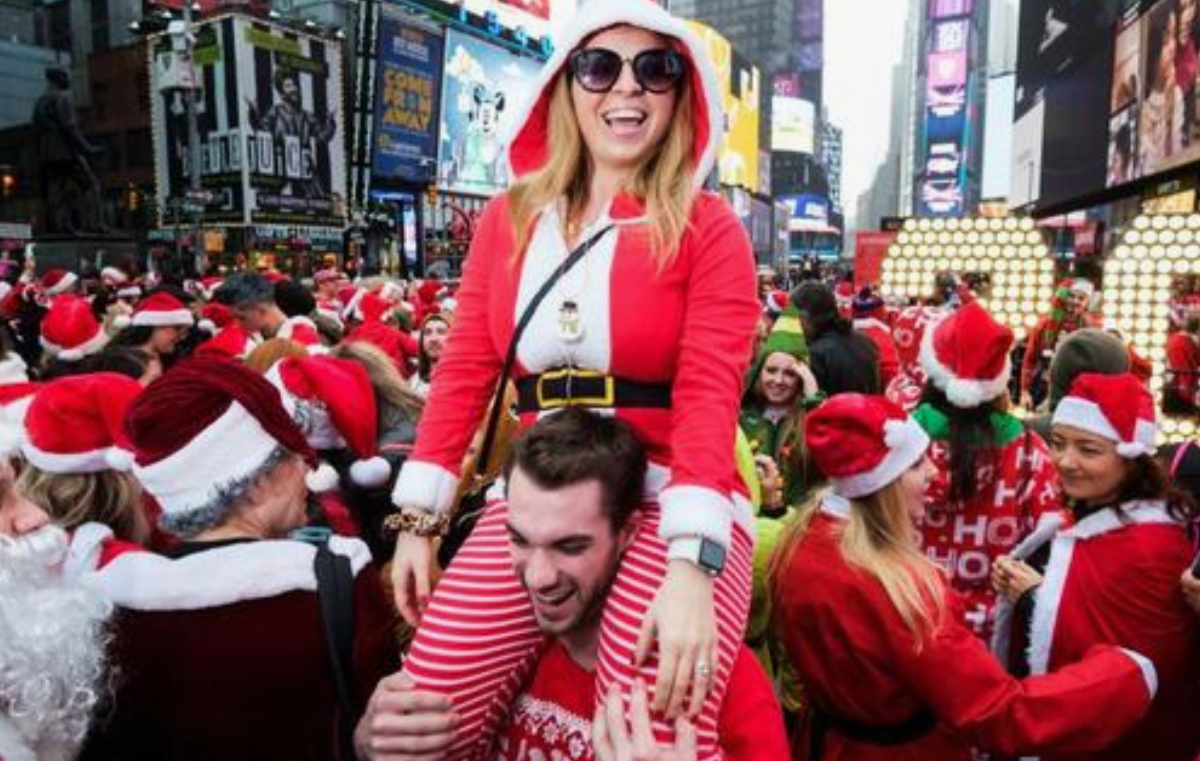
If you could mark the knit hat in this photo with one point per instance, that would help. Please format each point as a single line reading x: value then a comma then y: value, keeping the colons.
x: 333, y: 402
x: 156, y: 311
x: 786, y: 336
x: 1115, y: 407
x: 58, y: 280
x: 74, y: 423
x: 214, y: 316
x: 866, y: 304
x: 966, y: 356
x: 304, y: 332
x: 15, y: 399
x: 1087, y: 350
x: 70, y: 331
x: 202, y: 430
x: 863, y: 443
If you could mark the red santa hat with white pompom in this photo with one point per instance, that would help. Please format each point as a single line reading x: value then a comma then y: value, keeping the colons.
x: 333, y: 402
x: 966, y: 356
x: 156, y: 311
x: 1115, y: 407
x: 863, y: 443
x: 74, y: 424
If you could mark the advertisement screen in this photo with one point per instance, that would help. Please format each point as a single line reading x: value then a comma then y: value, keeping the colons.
x: 270, y: 125
x: 807, y: 213
x: 793, y: 128
x: 739, y: 81
x: 481, y: 87
x: 946, y: 8
x: 406, y: 105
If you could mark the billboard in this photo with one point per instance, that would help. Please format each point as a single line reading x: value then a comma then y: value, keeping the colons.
x: 408, y: 87
x: 947, y: 119
x: 793, y: 125
x: 807, y: 213
x: 739, y: 82
x: 481, y: 85
x: 270, y: 122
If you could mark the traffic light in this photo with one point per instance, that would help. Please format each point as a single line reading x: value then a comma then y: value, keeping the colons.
x: 8, y: 184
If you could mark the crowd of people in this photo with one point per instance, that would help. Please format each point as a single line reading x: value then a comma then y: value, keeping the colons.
x: 603, y: 498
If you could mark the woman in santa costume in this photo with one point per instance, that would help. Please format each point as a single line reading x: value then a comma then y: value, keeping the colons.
x: 1113, y: 576
x: 157, y: 326
x: 994, y: 480
x: 877, y: 636
x: 654, y: 325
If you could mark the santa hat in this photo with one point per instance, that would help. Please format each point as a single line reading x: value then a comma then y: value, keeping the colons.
x: 70, y: 331
x: 1115, y: 407
x: 429, y: 291
x: 844, y: 292
x: 214, y: 316
x: 327, y: 275
x: 74, y: 424
x: 57, y: 281
x: 777, y: 301
x: 231, y: 342
x: 351, y: 297
x: 333, y: 402
x: 209, y: 285
x: 204, y: 428
x: 129, y: 291
x: 966, y: 356
x: 159, y: 310
x: 304, y: 332
x: 1080, y: 285
x: 863, y: 443
x: 373, y: 308
x: 113, y: 276
x: 15, y: 399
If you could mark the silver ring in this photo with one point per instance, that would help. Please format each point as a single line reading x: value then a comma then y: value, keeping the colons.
x: 703, y: 671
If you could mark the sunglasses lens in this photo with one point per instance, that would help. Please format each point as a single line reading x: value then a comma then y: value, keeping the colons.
x: 596, y: 70
x: 658, y: 70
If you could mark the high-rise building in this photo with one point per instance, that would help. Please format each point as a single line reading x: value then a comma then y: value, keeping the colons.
x: 830, y: 157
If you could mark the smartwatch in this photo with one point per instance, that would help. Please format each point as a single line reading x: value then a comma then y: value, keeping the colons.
x: 704, y: 553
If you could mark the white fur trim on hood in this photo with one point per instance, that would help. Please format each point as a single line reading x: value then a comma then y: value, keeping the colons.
x: 219, y: 576
x: 13, y: 369
x: 527, y: 144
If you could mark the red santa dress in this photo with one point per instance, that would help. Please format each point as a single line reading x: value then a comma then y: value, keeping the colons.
x: 886, y: 696
x: 1114, y: 579
x: 683, y: 332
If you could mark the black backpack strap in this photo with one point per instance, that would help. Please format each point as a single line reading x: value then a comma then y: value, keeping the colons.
x: 335, y: 590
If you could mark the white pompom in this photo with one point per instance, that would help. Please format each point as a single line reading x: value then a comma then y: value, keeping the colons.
x: 122, y: 321
x: 324, y: 478
x: 208, y: 326
x: 118, y: 459
x: 373, y: 471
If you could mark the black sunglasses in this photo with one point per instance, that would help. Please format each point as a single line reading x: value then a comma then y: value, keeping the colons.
x: 598, y: 69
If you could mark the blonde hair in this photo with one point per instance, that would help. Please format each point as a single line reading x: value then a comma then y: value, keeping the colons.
x: 664, y: 181
x: 879, y: 539
x: 110, y: 497
x: 386, y: 380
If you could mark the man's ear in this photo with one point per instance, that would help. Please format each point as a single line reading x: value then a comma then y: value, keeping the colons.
x: 629, y: 532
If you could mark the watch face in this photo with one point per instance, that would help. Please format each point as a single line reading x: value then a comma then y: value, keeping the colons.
x: 712, y: 556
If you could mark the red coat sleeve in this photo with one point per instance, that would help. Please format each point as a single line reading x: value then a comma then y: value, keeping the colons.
x: 751, y: 723
x: 463, y: 379
x: 1083, y: 707
x: 721, y: 311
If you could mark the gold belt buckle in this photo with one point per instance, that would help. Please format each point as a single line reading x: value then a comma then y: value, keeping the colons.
x: 569, y: 373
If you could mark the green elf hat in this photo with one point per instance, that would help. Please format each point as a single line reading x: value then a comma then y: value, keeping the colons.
x: 787, y: 335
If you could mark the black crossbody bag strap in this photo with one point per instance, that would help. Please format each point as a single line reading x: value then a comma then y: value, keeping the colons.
x: 510, y: 357
x: 335, y: 591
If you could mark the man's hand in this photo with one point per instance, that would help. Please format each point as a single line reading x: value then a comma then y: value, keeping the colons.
x: 612, y: 740
x: 1191, y: 589
x: 402, y: 723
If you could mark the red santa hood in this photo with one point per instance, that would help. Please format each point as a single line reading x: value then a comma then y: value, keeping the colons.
x: 529, y: 143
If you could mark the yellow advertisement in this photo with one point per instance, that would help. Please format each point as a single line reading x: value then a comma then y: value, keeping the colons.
x: 737, y: 160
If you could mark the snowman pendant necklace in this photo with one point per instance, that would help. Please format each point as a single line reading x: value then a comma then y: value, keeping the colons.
x: 570, y: 322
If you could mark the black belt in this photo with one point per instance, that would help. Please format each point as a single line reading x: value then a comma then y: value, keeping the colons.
x: 890, y: 735
x: 573, y: 387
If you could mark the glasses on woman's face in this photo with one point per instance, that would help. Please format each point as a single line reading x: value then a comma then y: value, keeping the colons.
x: 598, y: 69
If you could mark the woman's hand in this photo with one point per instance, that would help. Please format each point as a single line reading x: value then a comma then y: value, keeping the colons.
x: 1013, y: 578
x: 808, y: 381
x: 411, y: 569
x: 683, y: 620
x: 770, y: 481
x: 612, y: 740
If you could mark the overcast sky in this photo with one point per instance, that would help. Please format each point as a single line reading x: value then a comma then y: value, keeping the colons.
x: 863, y: 40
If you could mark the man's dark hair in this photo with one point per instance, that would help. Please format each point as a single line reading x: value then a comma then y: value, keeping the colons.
x: 58, y: 76
x: 817, y: 301
x: 293, y: 299
x: 245, y: 289
x: 281, y: 76
x: 574, y: 445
